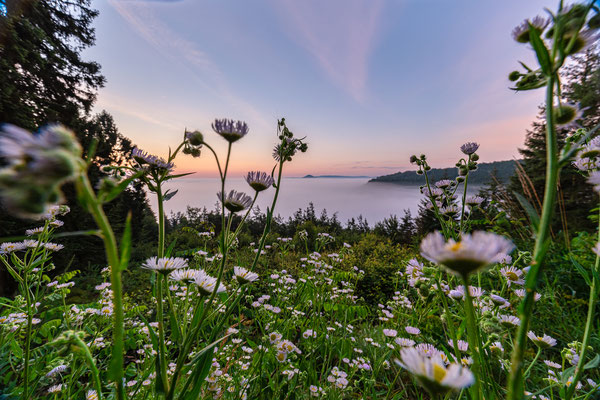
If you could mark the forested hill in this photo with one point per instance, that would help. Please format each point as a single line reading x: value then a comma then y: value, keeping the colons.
x: 502, y: 169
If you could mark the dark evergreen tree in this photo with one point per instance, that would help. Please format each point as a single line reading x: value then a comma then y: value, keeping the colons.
x: 42, y: 73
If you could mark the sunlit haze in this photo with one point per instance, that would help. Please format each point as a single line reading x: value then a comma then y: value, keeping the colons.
x: 367, y: 82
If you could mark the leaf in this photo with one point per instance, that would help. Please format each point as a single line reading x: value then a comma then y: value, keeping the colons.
x: 115, y: 191
x: 593, y: 363
x: 169, y: 194
x: 170, y: 248
x: 582, y: 271
x: 534, y: 218
x: 540, y: 50
x: 179, y: 175
x: 126, y: 244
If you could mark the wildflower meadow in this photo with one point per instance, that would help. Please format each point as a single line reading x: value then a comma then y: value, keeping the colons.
x: 233, y: 309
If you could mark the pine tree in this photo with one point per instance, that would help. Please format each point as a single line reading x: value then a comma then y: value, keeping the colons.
x: 42, y: 74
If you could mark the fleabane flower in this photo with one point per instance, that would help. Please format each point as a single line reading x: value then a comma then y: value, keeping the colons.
x: 542, y: 342
x: 164, y: 265
x: 91, y: 395
x: 521, y: 32
x: 244, y: 276
x: 473, y: 201
x: 143, y: 158
x: 567, y: 114
x: 509, y: 321
x: 207, y: 284
x: 230, y: 130
x: 235, y: 201
x: 35, y: 166
x: 513, y: 275
x: 594, y: 179
x: 472, y: 253
x: 469, y: 148
x: 259, y: 181
x: 184, y: 275
x: 432, y: 374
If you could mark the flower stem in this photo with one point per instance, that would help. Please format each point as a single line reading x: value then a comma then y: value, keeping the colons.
x: 537, y: 355
x: 161, y: 331
x: 27, y: 338
x: 515, y: 383
x: 86, y: 192
x: 91, y: 364
x: 472, y: 338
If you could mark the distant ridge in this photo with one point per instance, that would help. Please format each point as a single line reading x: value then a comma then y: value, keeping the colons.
x: 504, y: 170
x: 335, y: 176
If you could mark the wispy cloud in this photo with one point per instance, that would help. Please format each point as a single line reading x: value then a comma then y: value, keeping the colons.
x: 339, y: 34
x: 141, y: 17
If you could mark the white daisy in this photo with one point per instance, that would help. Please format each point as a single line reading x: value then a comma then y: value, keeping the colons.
x: 471, y: 253
x: 432, y: 374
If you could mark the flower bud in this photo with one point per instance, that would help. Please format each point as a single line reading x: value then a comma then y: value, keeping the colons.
x: 195, y: 138
x: 514, y: 76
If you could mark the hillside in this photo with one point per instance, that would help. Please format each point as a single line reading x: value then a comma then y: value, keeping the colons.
x: 504, y: 170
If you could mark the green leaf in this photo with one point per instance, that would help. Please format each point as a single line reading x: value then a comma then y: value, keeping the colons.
x: 169, y: 194
x: 540, y: 50
x: 179, y: 175
x: 170, y: 248
x: 582, y: 271
x: 126, y: 244
x: 593, y: 363
x: 115, y: 191
x: 534, y: 218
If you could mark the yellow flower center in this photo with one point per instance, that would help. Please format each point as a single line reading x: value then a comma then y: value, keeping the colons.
x: 455, y: 247
x: 512, y: 275
x: 439, y: 372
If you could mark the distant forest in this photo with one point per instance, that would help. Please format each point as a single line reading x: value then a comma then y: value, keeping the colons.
x: 502, y: 170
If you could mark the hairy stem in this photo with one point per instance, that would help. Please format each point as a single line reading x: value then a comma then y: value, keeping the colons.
x: 515, y: 383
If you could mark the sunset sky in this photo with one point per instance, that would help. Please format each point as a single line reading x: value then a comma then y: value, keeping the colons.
x: 367, y: 82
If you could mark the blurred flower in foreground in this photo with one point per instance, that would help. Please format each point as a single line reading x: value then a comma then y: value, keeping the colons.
x: 471, y: 253
x: 521, y: 32
x: 433, y: 374
x: 36, y: 166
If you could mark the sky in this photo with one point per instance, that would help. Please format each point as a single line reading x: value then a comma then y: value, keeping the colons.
x: 368, y: 82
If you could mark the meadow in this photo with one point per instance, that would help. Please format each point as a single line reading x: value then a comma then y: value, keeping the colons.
x: 487, y: 305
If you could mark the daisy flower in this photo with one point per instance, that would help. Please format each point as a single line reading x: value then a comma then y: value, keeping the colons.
x: 164, y: 265
x: 471, y: 253
x: 207, y: 284
x: 390, y: 332
x: 412, y: 330
x: 521, y: 32
x: 244, y: 276
x: 404, y: 342
x: 235, y: 201
x: 432, y: 374
x: 542, y: 342
x: 230, y: 130
x: 512, y: 275
x: 469, y: 148
x: 509, y: 321
x: 259, y: 181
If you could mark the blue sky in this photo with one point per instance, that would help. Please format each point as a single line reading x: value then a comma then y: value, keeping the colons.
x: 368, y: 82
